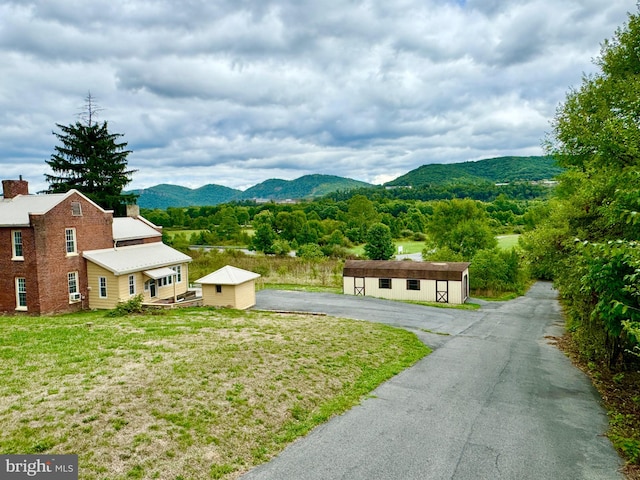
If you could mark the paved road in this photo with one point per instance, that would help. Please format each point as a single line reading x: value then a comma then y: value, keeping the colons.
x: 495, y: 400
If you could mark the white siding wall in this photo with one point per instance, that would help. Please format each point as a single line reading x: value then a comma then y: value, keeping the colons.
x: 398, y: 290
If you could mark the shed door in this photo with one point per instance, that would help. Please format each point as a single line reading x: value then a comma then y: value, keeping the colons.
x: 465, y: 288
x: 358, y: 286
x: 442, y: 291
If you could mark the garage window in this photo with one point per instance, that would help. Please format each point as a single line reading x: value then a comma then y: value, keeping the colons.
x: 413, y: 284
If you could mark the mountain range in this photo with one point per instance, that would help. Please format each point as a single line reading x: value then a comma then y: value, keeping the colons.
x: 497, y: 170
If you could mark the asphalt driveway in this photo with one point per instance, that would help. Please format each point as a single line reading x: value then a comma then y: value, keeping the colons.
x: 495, y: 400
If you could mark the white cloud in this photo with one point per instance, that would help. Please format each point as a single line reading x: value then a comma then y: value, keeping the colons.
x: 235, y: 92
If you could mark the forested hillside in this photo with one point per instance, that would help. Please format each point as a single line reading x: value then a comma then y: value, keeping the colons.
x: 496, y: 170
x: 308, y: 186
x: 164, y: 196
x: 456, y: 180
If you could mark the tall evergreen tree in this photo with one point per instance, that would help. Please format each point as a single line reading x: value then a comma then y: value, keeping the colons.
x: 91, y: 160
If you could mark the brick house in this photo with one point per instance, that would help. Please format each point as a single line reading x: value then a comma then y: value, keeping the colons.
x: 47, y: 243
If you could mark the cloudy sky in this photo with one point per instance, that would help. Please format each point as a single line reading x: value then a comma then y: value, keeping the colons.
x: 234, y: 92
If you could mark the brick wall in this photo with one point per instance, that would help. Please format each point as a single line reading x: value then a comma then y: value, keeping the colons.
x: 139, y: 241
x: 11, y: 269
x: 13, y: 188
x: 46, y: 264
x: 93, y: 231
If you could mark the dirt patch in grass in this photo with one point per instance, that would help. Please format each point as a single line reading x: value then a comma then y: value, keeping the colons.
x: 620, y: 393
x: 190, y: 394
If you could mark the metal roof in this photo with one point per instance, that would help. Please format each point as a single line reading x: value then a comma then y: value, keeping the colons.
x: 14, y: 212
x: 405, y: 269
x: 228, y: 275
x: 136, y: 258
x: 128, y: 228
x: 161, y: 272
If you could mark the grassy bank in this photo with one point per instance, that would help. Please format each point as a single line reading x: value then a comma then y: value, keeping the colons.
x: 189, y: 394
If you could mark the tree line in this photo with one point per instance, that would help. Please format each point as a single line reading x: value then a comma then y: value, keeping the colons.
x: 451, y: 230
x: 588, y: 242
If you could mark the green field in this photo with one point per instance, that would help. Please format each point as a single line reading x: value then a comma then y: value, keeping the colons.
x: 408, y: 246
x: 190, y: 394
x: 507, y: 242
x: 504, y: 241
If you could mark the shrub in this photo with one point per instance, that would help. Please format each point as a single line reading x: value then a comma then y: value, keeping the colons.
x: 497, y: 271
x: 309, y: 251
x: 131, y: 306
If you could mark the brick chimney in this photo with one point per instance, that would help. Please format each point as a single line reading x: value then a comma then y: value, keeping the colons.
x: 13, y: 188
x: 133, y: 211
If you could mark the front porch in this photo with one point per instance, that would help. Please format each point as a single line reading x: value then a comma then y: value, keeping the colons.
x: 191, y: 298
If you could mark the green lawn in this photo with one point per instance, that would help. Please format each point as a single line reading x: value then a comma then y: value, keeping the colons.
x: 195, y: 393
x: 507, y: 242
x: 408, y: 246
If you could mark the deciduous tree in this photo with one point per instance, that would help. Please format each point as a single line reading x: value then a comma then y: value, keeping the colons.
x: 379, y: 244
x: 589, y: 240
x: 461, y: 226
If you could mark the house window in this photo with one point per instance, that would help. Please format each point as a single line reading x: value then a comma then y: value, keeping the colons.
x: 102, y: 284
x: 132, y: 285
x: 72, y: 282
x: 413, y: 284
x: 164, y: 281
x: 16, y: 243
x: 70, y: 238
x: 76, y: 209
x: 178, y: 270
x: 21, y: 293
x: 384, y: 283
x: 218, y: 288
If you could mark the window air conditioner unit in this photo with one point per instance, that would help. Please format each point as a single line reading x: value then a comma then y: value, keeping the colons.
x: 75, y: 297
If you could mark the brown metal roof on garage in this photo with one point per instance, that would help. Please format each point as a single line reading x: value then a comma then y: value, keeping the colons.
x: 405, y: 269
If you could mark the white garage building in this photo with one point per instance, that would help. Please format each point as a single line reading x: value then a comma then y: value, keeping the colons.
x: 443, y: 282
